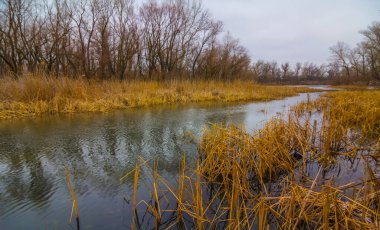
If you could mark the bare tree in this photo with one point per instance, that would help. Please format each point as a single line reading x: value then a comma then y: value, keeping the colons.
x: 357, y: 59
x: 371, y: 46
x: 14, y: 28
x: 285, y: 71
x: 126, y: 39
x: 340, y: 54
x: 297, y: 70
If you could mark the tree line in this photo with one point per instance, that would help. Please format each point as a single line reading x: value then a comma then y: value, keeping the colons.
x: 362, y: 61
x: 117, y: 39
x: 346, y: 65
x: 153, y: 40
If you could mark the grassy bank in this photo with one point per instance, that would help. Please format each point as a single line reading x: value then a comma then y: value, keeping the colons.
x: 354, y: 87
x: 34, y: 95
x: 298, y: 172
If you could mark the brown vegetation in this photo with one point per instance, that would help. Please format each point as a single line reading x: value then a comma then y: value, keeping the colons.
x: 34, y: 95
x: 244, y: 181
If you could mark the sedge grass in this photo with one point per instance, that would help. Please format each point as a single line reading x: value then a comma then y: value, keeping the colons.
x: 34, y: 95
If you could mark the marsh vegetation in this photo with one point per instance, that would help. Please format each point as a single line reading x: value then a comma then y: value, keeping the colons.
x: 317, y: 167
x: 36, y: 95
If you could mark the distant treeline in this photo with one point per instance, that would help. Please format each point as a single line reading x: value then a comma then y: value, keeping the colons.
x: 347, y: 65
x: 153, y: 40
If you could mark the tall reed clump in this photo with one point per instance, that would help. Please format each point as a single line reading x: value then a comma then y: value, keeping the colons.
x: 341, y: 124
x: 268, y: 179
x: 326, y: 208
x: 355, y: 109
x: 33, y: 95
x: 258, y: 158
x: 350, y: 121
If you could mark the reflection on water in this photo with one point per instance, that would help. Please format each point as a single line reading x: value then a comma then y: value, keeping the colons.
x: 99, y: 149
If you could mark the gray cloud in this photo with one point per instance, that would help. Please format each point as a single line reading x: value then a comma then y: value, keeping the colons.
x: 294, y: 30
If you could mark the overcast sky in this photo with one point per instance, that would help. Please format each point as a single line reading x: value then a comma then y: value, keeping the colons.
x: 294, y: 30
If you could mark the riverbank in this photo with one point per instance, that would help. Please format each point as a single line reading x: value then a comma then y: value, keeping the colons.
x: 354, y: 87
x: 36, y: 95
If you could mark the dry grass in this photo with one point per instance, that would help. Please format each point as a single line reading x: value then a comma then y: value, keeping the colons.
x: 34, y: 95
x: 244, y: 181
x: 354, y: 87
x: 345, y: 110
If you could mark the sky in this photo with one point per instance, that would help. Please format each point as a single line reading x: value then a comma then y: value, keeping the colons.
x: 294, y: 30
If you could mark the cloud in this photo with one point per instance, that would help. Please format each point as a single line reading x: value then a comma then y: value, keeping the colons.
x: 294, y: 30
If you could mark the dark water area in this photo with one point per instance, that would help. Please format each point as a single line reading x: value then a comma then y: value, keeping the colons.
x: 99, y: 149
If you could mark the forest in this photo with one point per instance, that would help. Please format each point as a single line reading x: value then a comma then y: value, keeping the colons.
x: 155, y: 40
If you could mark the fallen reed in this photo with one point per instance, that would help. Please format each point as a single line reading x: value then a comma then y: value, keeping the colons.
x: 33, y: 95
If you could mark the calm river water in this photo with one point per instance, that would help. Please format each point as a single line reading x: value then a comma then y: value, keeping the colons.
x: 99, y: 149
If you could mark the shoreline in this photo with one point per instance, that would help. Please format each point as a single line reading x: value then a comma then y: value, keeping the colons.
x: 33, y: 96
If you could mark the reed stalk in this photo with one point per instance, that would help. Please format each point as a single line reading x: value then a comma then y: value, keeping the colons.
x: 135, y: 187
x: 73, y: 196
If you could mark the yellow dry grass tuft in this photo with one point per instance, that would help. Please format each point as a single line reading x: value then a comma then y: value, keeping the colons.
x: 33, y: 95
